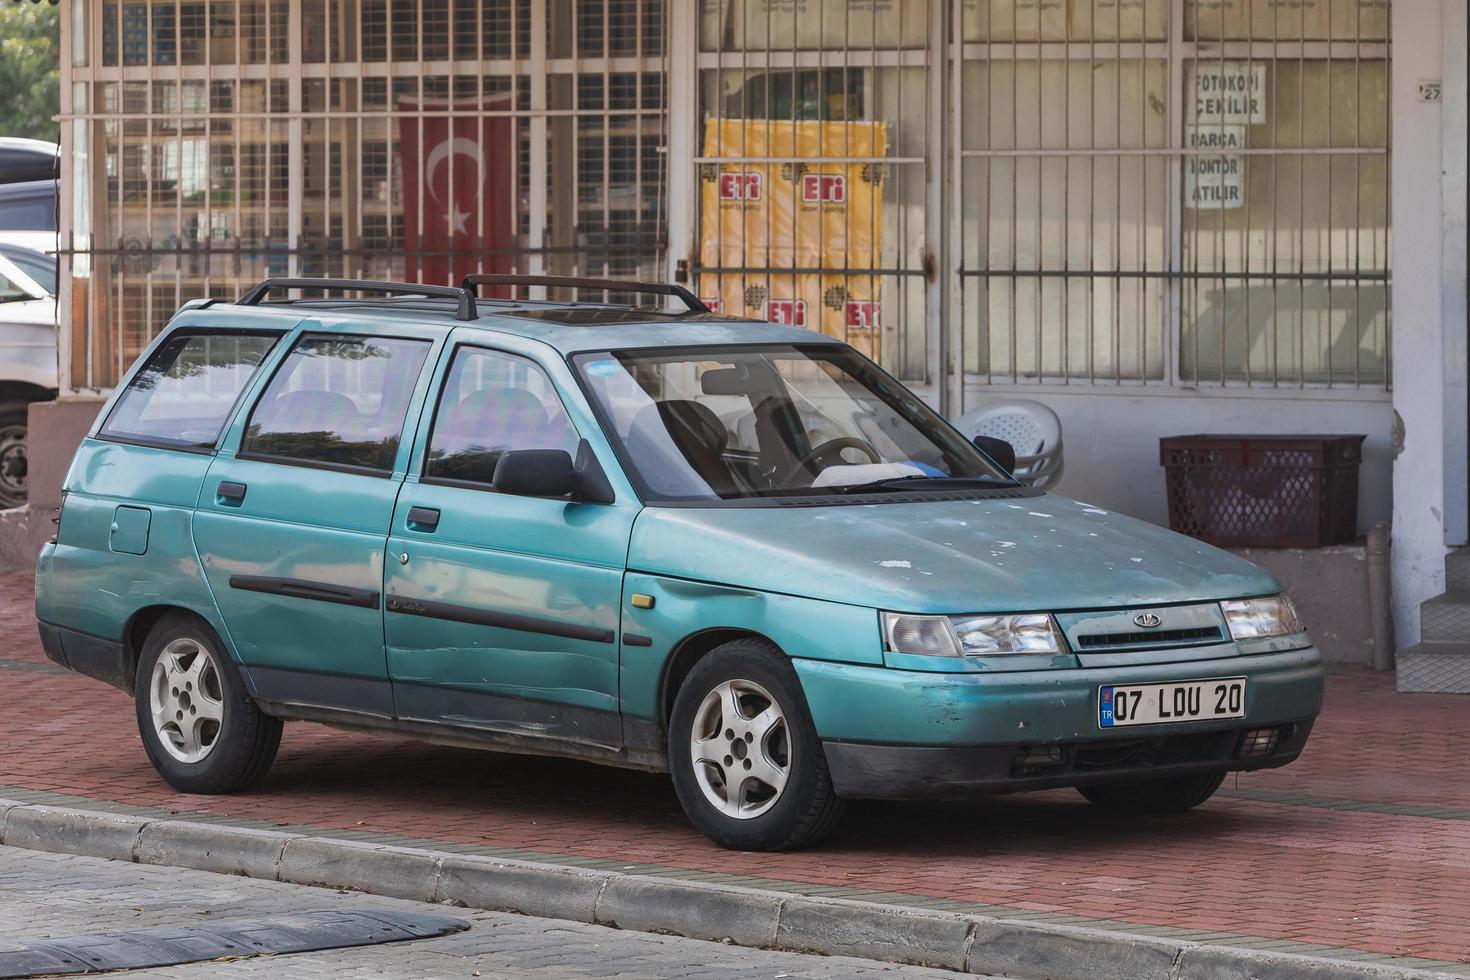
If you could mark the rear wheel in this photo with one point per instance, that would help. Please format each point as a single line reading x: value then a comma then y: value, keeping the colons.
x: 1173, y: 795
x: 13, y: 460
x: 746, y: 761
x: 201, y: 732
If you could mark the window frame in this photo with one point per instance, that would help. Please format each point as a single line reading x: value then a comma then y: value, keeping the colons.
x: 164, y: 339
x: 433, y: 419
x: 318, y: 464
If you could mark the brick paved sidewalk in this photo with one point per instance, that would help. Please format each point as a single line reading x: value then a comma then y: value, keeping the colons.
x: 1363, y: 845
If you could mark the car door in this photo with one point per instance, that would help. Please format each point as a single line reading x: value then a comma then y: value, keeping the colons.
x: 501, y: 611
x: 292, y: 519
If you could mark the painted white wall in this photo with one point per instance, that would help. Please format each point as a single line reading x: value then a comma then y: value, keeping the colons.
x: 1111, y: 438
x: 1418, y: 330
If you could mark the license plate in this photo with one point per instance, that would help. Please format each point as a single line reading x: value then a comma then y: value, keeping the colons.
x: 1158, y: 704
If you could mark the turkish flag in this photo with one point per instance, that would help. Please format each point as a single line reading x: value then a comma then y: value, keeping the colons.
x: 459, y: 212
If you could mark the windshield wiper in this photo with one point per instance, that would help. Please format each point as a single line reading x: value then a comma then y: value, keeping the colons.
x: 912, y: 482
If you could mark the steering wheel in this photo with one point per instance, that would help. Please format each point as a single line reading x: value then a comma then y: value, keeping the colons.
x: 819, y: 453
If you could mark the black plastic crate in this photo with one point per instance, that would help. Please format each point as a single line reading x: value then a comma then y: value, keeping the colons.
x: 1263, y: 491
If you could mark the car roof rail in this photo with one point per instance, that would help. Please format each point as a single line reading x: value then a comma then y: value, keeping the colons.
x: 693, y: 303
x: 464, y: 295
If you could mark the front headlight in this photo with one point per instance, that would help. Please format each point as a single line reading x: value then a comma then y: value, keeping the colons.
x: 972, y: 636
x: 1255, y: 619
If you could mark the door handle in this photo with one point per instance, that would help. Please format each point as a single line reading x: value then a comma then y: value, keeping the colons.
x: 229, y: 494
x: 424, y: 519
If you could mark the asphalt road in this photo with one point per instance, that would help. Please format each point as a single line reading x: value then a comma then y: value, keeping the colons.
x: 55, y: 896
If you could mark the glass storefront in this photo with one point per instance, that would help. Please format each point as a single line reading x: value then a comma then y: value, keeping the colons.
x: 1023, y: 192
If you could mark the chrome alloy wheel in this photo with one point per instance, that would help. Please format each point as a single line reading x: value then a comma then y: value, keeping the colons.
x: 740, y: 748
x: 186, y: 700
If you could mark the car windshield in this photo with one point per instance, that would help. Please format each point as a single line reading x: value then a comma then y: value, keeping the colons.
x: 728, y: 423
x: 38, y: 265
x: 11, y: 291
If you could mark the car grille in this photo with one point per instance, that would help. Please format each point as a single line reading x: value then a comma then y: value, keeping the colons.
x: 1199, y: 634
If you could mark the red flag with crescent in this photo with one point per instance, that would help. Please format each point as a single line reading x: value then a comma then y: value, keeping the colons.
x: 458, y: 169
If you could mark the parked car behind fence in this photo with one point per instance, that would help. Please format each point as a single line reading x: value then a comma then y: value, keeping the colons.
x: 28, y: 368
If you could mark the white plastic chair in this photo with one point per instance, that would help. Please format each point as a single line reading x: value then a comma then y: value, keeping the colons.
x: 1031, y: 428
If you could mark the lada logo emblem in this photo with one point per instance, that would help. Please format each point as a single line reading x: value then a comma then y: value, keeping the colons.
x: 1147, y: 620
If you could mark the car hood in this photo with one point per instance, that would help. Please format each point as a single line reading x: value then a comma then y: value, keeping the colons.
x: 1002, y: 555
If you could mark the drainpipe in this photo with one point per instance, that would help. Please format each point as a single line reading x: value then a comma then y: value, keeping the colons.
x: 1380, y: 611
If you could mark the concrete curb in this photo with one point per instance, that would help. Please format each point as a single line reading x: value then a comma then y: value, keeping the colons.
x: 744, y: 916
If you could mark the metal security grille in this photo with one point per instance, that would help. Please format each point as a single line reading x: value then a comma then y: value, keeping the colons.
x: 1177, y: 191
x: 1154, y: 193
x: 219, y: 142
x: 815, y: 138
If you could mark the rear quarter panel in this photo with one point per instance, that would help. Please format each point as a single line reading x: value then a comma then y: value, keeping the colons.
x: 95, y: 590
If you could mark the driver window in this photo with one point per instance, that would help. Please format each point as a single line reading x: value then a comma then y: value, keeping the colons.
x: 493, y: 403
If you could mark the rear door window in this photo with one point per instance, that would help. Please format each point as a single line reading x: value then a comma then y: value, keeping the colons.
x: 184, y: 394
x: 337, y: 400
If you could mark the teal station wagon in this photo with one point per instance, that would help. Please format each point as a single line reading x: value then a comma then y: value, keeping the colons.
x: 737, y: 552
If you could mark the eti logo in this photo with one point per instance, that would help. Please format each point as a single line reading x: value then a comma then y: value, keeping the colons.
x: 818, y: 188
x: 862, y: 313
x: 788, y: 312
x: 744, y: 185
x: 713, y: 302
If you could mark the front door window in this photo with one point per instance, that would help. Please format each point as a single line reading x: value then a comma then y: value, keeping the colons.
x: 493, y: 403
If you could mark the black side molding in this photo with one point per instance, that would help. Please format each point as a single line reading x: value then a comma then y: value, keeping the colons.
x: 485, y: 617
x: 300, y: 589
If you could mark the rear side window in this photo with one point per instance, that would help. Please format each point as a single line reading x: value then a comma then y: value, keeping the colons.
x: 337, y: 400
x: 184, y: 393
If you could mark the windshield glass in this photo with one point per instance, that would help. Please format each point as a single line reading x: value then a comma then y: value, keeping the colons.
x: 11, y: 290
x: 738, y: 422
x: 38, y: 265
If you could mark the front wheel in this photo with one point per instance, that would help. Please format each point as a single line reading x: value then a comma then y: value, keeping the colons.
x: 747, y: 765
x: 1173, y: 795
x: 201, y: 732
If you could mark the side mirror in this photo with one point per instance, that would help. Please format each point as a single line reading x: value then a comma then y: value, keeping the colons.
x: 1002, y: 452
x: 535, y: 473
x: 552, y: 473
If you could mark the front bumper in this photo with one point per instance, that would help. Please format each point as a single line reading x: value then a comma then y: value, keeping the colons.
x: 894, y: 734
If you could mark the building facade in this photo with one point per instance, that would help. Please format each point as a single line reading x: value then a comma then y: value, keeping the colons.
x: 1158, y: 216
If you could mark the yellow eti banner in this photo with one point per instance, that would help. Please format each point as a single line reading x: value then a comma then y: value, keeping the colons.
x: 801, y: 213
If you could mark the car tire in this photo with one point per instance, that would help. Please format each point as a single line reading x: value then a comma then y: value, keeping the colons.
x: 741, y: 711
x: 13, y: 459
x: 1173, y: 795
x: 201, y: 732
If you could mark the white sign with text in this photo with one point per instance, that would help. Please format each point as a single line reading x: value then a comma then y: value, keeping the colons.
x: 1229, y: 92
x: 1214, y: 183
